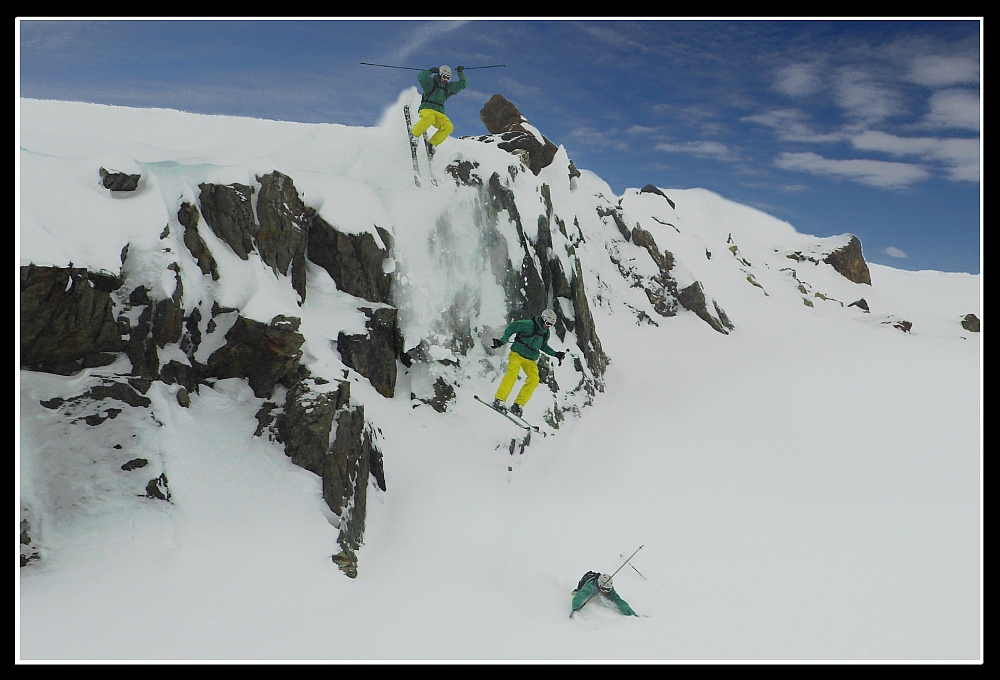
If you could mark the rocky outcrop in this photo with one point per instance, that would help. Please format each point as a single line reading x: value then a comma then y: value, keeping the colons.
x: 264, y: 354
x: 283, y: 230
x: 584, y: 326
x: 344, y: 462
x: 652, y: 189
x: 848, y: 261
x: 970, y: 322
x: 67, y: 319
x: 188, y: 217
x: 119, y: 181
x: 512, y: 132
x: 374, y: 355
x: 693, y: 299
x: 354, y: 261
x: 228, y: 211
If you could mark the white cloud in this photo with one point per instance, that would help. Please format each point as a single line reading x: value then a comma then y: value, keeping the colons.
x: 954, y: 109
x: 792, y: 125
x: 894, y: 252
x: 864, y: 97
x: 640, y: 130
x: 799, y: 80
x: 883, y: 174
x: 715, y: 150
x: 943, y: 71
x: 960, y: 156
x: 422, y: 34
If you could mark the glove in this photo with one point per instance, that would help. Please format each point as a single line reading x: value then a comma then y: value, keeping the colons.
x: 434, y: 69
x: 560, y: 356
x: 459, y: 68
x: 497, y: 343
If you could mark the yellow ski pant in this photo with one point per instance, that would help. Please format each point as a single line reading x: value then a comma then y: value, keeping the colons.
x: 430, y: 117
x: 515, y: 362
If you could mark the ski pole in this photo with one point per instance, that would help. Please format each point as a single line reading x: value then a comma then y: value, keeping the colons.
x: 411, y: 68
x: 612, y: 576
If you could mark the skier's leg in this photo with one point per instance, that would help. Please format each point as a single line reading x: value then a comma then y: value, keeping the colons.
x: 507, y: 384
x: 444, y: 128
x: 530, y: 370
x: 426, y: 120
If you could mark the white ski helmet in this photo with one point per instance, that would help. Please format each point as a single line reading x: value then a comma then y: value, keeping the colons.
x: 604, y: 583
x: 549, y: 317
x: 445, y: 72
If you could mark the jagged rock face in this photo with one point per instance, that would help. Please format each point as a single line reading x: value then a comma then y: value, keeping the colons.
x: 344, y: 463
x: 283, y: 228
x: 850, y: 262
x: 354, y: 261
x: 585, y: 328
x: 229, y: 214
x: 374, y: 355
x: 502, y: 118
x: 188, y: 217
x: 264, y: 354
x: 693, y: 299
x: 67, y: 319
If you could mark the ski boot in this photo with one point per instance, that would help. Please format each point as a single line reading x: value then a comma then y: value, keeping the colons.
x: 516, y: 410
x: 499, y: 406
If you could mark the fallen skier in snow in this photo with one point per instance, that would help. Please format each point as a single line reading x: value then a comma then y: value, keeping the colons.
x: 593, y: 584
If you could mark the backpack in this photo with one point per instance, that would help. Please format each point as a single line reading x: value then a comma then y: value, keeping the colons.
x: 535, y: 330
x: 587, y: 578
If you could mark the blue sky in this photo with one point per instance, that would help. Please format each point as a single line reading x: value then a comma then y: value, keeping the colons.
x: 864, y: 126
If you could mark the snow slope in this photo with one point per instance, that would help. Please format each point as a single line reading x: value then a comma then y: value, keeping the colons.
x: 806, y: 487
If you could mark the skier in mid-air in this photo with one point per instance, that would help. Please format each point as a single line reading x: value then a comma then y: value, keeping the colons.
x: 593, y: 584
x: 532, y: 336
x: 437, y: 89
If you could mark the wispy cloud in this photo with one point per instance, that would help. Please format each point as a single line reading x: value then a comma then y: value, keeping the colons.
x: 701, y: 149
x: 961, y: 157
x: 640, y: 130
x: 954, y: 109
x: 794, y: 126
x: 894, y: 252
x: 421, y: 35
x: 937, y: 71
x: 882, y: 174
x: 864, y: 97
x: 798, y: 80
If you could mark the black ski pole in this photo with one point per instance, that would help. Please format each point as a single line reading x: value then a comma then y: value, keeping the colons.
x: 612, y: 576
x: 411, y: 68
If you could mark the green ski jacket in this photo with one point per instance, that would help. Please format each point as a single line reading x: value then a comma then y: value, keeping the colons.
x: 436, y: 92
x: 580, y: 597
x: 531, y: 337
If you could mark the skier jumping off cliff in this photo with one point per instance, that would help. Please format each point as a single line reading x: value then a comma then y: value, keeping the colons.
x: 438, y: 87
x: 532, y: 336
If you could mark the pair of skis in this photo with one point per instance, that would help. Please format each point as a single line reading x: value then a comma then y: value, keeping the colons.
x: 413, y: 149
x: 520, y: 422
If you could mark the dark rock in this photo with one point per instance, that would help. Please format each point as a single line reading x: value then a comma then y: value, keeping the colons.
x: 693, y: 299
x: 502, y: 118
x: 584, y: 326
x: 119, y: 391
x: 67, y: 315
x: 347, y: 561
x: 573, y: 172
x: 188, y: 217
x: 229, y: 213
x: 157, y: 488
x: 354, y: 261
x: 651, y: 189
x: 264, y: 354
x: 970, y: 322
x: 374, y: 355
x: 463, y: 173
x: 283, y: 228
x: 849, y: 261
x: 119, y: 181
x: 183, y: 398
x: 135, y: 464
x: 443, y: 393
x: 862, y: 303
